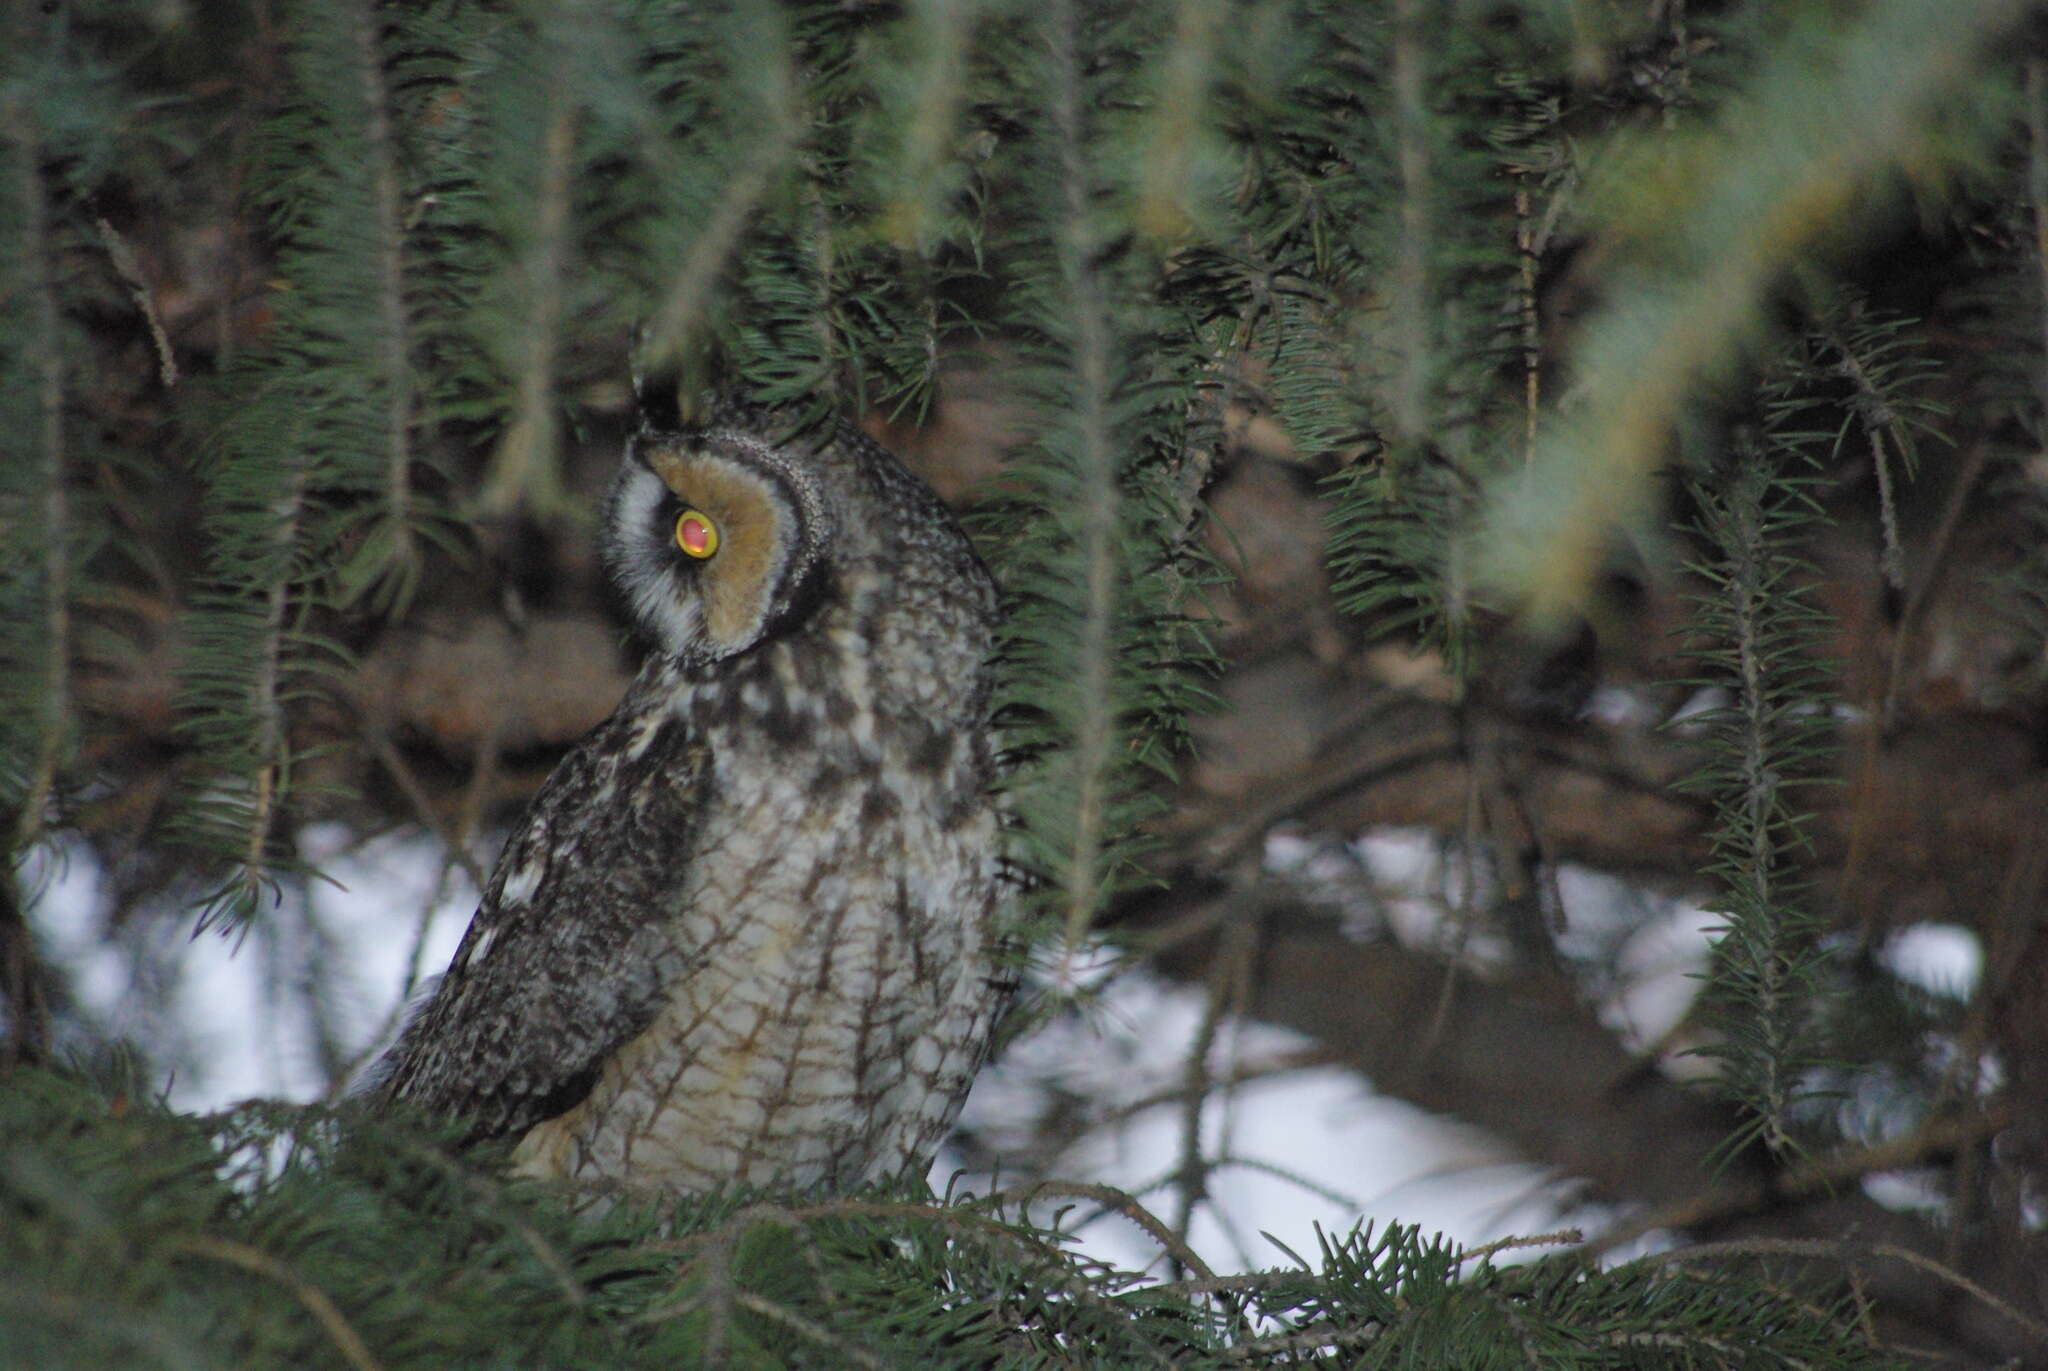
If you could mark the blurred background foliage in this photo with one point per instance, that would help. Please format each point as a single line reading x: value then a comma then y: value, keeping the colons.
x: 1599, y: 434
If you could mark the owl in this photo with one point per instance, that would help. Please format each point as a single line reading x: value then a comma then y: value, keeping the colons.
x: 747, y: 931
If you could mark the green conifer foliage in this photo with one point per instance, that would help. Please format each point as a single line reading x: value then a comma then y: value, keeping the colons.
x: 1095, y: 648
x: 1493, y: 268
x: 1853, y: 105
x: 1758, y: 643
x: 58, y: 105
x: 270, y: 1237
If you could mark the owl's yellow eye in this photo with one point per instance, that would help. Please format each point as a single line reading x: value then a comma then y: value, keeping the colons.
x: 696, y: 535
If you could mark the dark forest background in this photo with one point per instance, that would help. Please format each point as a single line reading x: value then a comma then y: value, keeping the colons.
x: 1602, y: 434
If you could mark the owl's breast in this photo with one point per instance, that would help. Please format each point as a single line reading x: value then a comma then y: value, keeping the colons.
x: 836, y: 919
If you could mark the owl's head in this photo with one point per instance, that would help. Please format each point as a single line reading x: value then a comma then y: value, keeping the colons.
x: 716, y: 537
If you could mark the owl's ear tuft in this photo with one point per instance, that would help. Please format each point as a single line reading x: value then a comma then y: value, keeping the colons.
x: 658, y: 395
x: 675, y: 393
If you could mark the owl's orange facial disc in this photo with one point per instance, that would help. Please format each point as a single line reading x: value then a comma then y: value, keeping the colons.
x: 696, y: 533
x: 736, y: 529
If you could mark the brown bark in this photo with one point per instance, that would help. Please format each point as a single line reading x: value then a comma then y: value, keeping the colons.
x: 1929, y: 826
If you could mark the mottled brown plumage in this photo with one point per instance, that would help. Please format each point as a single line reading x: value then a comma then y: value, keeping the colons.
x: 747, y: 930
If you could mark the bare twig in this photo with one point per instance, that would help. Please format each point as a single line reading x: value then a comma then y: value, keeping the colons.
x: 1225, y: 998
x: 123, y: 258
x: 394, y: 762
x: 1931, y: 567
x: 1282, y: 1064
x: 2037, y: 197
x: 1116, y: 1201
x: 1353, y: 757
x: 1563, y: 1237
x: 24, y: 985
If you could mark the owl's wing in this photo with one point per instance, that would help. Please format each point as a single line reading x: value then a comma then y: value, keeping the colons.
x: 568, y: 957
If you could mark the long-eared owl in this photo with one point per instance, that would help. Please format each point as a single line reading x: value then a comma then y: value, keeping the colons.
x: 747, y: 931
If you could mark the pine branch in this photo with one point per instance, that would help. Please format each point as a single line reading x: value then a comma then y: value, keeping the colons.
x: 1890, y: 376
x: 269, y: 747
x: 1410, y: 304
x: 1357, y: 216
x: 523, y: 466
x: 242, y: 672
x: 767, y: 135
x: 1097, y: 647
x: 915, y: 128
x: 1094, y: 721
x: 1879, y: 355
x: 1715, y: 221
x: 1443, y: 289
x: 1179, y: 158
x: 50, y: 548
x: 1759, y: 640
x: 270, y: 1237
x: 392, y: 360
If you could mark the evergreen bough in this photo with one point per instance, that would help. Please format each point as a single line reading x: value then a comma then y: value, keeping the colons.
x: 474, y: 217
x: 276, y: 1237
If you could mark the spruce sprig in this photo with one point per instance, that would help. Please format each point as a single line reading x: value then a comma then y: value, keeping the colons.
x: 1096, y: 650
x: 309, y: 498
x: 1427, y: 363
x: 1884, y: 368
x: 1758, y: 637
x: 57, y: 104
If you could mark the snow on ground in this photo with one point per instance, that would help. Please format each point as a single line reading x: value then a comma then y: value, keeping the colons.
x: 1295, y: 1150
x: 234, y: 1014
x: 233, y: 1017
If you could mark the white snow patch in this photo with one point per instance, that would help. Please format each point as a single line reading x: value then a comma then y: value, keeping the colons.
x: 231, y: 1014
x: 1941, y: 959
x: 1297, y: 1150
x: 1659, y: 970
